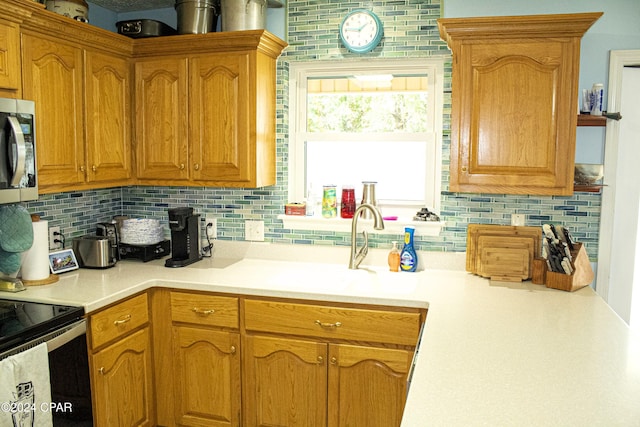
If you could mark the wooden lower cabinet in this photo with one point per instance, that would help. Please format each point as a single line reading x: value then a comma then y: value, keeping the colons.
x: 207, y: 377
x: 122, y: 374
x: 182, y: 358
x: 367, y: 385
x: 289, y: 382
x: 285, y: 382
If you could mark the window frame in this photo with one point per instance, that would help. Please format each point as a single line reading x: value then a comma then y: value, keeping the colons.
x: 299, y: 72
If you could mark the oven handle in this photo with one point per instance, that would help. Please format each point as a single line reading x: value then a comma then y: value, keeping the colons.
x: 72, y: 331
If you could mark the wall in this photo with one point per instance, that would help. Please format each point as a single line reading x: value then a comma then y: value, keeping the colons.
x: 410, y: 28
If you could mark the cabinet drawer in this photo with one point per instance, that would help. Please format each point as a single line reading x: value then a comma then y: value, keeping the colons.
x: 200, y: 309
x: 118, y: 320
x: 369, y: 325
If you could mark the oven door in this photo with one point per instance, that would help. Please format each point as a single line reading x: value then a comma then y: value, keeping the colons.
x: 69, y: 376
x: 68, y: 373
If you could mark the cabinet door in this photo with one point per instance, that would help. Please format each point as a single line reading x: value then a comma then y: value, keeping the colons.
x: 161, y: 119
x: 367, y: 385
x: 52, y: 74
x: 9, y: 56
x: 222, y: 117
x: 285, y: 382
x: 108, y: 111
x: 516, y: 121
x: 207, y: 375
x: 122, y: 382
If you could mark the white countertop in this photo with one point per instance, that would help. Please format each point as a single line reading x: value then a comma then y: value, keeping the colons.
x: 492, y: 353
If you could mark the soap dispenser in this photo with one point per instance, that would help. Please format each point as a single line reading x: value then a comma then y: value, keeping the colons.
x: 394, y: 258
x: 408, y: 256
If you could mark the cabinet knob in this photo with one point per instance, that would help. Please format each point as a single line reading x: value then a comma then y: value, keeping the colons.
x: 181, y: 167
x: 101, y: 370
x: 464, y: 169
x: 320, y: 360
x: 94, y: 168
x: 122, y: 320
x: 233, y: 349
x: 196, y: 166
x: 334, y: 361
x: 82, y: 168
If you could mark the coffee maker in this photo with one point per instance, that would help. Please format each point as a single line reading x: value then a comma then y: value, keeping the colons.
x: 185, y: 247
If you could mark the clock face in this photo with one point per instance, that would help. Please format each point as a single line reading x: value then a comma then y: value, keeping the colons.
x: 361, y: 31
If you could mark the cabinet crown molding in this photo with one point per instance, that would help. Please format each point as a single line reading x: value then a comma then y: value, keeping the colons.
x: 225, y: 41
x: 18, y: 10
x: 510, y: 27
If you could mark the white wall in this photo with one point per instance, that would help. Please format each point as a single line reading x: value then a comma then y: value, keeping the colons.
x: 624, y: 272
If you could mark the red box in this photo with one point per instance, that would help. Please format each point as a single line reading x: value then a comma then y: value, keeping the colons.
x: 299, y: 209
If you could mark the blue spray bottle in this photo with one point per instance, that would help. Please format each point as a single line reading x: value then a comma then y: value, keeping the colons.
x: 408, y: 256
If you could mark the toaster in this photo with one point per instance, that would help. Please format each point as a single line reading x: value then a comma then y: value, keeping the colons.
x: 95, y: 251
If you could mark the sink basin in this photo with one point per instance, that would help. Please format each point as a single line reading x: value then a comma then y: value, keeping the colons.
x: 338, y: 277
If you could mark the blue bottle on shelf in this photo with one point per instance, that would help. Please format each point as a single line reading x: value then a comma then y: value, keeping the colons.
x: 408, y: 256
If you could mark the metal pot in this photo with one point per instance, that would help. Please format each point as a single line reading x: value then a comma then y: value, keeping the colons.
x: 240, y: 15
x: 75, y: 9
x: 197, y: 16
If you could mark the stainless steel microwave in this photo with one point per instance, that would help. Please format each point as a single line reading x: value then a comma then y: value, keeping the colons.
x: 18, y: 180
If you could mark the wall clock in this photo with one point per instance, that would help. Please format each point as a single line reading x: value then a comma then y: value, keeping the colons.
x: 361, y: 31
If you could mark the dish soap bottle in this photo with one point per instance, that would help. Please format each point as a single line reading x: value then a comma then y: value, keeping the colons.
x: 394, y: 258
x: 408, y: 256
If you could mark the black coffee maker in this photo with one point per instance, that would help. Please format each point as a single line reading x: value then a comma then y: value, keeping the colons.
x: 185, y: 247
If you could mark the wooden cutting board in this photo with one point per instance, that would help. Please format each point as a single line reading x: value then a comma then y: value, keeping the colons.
x: 504, y: 264
x: 502, y: 252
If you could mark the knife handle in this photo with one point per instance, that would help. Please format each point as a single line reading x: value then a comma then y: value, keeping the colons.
x: 568, y: 238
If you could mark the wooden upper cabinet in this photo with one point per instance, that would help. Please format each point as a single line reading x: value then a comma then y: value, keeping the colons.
x: 161, y: 119
x: 52, y: 77
x: 221, y: 117
x: 108, y: 112
x: 80, y: 78
x: 10, y: 74
x: 514, y: 101
x: 207, y: 118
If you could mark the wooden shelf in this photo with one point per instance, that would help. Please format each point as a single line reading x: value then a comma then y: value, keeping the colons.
x: 588, y: 120
x: 588, y: 188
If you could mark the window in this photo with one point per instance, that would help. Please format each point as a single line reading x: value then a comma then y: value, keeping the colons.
x: 368, y: 120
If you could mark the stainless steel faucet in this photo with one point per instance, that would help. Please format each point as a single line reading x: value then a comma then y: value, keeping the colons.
x: 358, y: 255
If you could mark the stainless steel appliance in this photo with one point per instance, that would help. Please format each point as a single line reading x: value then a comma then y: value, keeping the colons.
x: 24, y: 325
x: 95, y: 251
x: 197, y: 16
x: 18, y: 181
x: 185, y: 244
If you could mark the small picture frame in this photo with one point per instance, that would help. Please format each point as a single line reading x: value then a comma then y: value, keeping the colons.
x: 61, y: 261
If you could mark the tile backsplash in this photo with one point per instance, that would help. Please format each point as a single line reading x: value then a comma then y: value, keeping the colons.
x: 410, y: 31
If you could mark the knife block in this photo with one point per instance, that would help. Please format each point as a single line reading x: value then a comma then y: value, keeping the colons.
x: 582, y: 272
